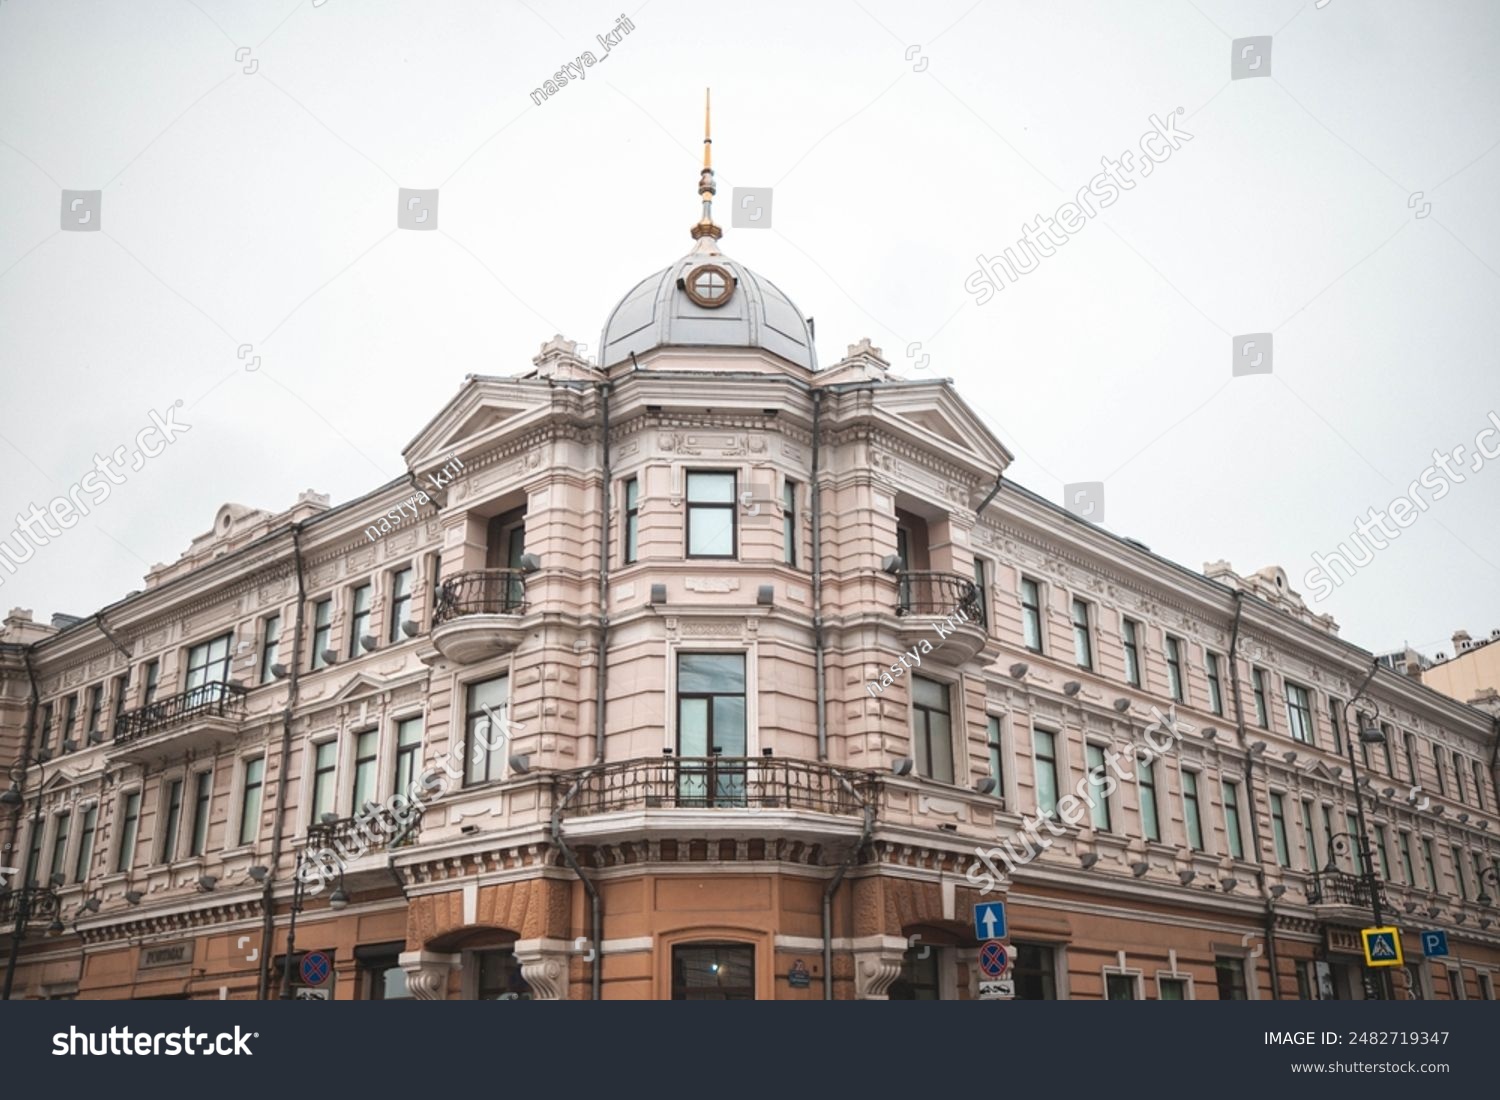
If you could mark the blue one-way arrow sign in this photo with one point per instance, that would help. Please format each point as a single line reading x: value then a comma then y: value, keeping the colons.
x: 989, y: 920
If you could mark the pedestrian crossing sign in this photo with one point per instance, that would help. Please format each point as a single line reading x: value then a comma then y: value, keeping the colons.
x: 1382, y: 946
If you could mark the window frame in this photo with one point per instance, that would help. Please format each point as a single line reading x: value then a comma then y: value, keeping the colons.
x: 401, y: 601
x: 1233, y: 824
x: 691, y: 508
x: 1031, y: 614
x: 1192, y: 799
x: 170, y: 814
x: 1213, y: 669
x: 630, y: 532
x: 1302, y: 710
x: 1100, y: 817
x: 1130, y: 634
x: 270, y: 645
x: 248, y: 821
x: 922, y: 732
x: 1052, y: 758
x: 1083, y: 634
x: 1279, y: 838
x: 360, y: 617
x: 789, y: 521
x: 203, y: 806
x: 1148, y: 785
x: 129, y: 836
x: 1176, y: 668
x: 495, y: 770
x: 322, y: 631
x: 1258, y: 692
x: 83, y: 853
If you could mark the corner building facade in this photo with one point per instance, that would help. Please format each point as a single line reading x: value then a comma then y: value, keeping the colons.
x: 687, y: 576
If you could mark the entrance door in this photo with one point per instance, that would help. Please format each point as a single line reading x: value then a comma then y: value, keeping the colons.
x: 713, y: 972
x: 506, y: 542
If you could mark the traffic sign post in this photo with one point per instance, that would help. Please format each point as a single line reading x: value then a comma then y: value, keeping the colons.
x: 989, y: 920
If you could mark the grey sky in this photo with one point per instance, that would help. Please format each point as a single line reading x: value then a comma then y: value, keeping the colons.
x: 260, y: 208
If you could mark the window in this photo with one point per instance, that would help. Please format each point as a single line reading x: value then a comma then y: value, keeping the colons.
x: 408, y: 753
x: 130, y: 823
x: 46, y: 725
x: 1278, y: 830
x: 70, y: 716
x: 483, y: 745
x: 1484, y: 895
x: 270, y: 646
x: 1190, y: 811
x: 1130, y: 632
x: 711, y: 721
x: 1437, y: 766
x: 1403, y: 844
x: 1145, y: 778
x: 61, y: 824
x: 117, y: 706
x: 401, y: 594
x: 1431, y: 865
x: 1458, y: 873
x: 384, y: 978
x: 1258, y: 685
x: 171, y: 820
x: 1044, y: 760
x: 1328, y: 835
x: 919, y: 976
x: 932, y: 731
x: 1174, y: 668
x: 86, y: 845
x: 713, y: 972
x: 322, y: 632
x: 1385, y: 748
x: 153, y: 677
x: 1410, y: 747
x: 1171, y: 989
x: 1486, y: 986
x: 255, y: 777
x: 1083, y: 650
x: 1458, y: 774
x: 96, y: 711
x: 1298, y: 713
x: 997, y: 759
x: 789, y: 523
x: 1229, y: 973
x: 325, y: 765
x: 1121, y: 987
x: 1478, y: 786
x: 1099, y: 808
x: 499, y: 977
x: 632, y: 519
x: 1310, y: 837
x: 1232, y: 819
x: 1035, y: 972
x: 208, y: 667
x: 1215, y: 691
x: 710, y: 514
x: 1031, y: 614
x: 1358, y: 840
x: 366, y: 761
x: 1380, y: 853
x: 203, y: 797
x: 1336, y: 723
x: 1455, y: 983
x: 359, y: 619
x: 34, y: 856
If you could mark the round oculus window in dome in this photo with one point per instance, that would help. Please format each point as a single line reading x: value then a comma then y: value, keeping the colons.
x: 709, y: 285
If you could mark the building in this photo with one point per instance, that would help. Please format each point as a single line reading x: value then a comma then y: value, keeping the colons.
x: 1472, y: 674
x: 714, y: 672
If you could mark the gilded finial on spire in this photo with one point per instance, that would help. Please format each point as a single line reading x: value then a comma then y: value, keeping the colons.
x: 706, y: 188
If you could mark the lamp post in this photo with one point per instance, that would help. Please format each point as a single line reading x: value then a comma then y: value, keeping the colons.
x: 337, y: 900
x: 1368, y: 735
x: 31, y: 901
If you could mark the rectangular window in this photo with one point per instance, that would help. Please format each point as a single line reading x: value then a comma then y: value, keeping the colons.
x: 1310, y: 837
x: 70, y: 716
x: 86, y: 845
x: 270, y: 646
x: 366, y: 763
x: 1229, y: 973
x: 1031, y: 614
x: 1190, y: 816
x: 1380, y: 853
x: 1172, y: 989
x: 1358, y: 841
x: 46, y: 726
x: 1278, y: 830
x: 325, y: 767
x: 1174, y: 668
x: 1437, y: 767
x: 117, y: 707
x: 1458, y: 873
x: 208, y: 666
x: 408, y: 753
x: 1478, y: 786
x: 1083, y: 648
x: 982, y: 591
x: 1403, y: 844
x: 1431, y: 865
x: 1336, y: 723
x: 789, y: 521
x: 322, y: 632
x: 1232, y: 820
x: 1044, y: 760
x: 1121, y: 987
x: 484, y: 746
x: 401, y: 596
x: 632, y: 537
x: 171, y: 820
x: 1456, y: 983
x: 1215, y: 690
x: 711, y: 723
x: 359, y: 619
x: 932, y: 729
x: 710, y: 514
x: 130, y: 823
x: 1479, y: 878
x: 997, y: 759
x: 1145, y: 778
x: 255, y: 778
x: 95, y: 711
x: 34, y: 856
x: 1385, y: 748
x: 1130, y: 632
x: 1410, y: 747
x: 1328, y: 835
x: 1258, y: 685
x: 59, y: 844
x: 203, y: 797
x: 1299, y: 713
x: 1035, y: 972
x: 153, y: 678
x: 1099, y: 808
x: 1458, y: 775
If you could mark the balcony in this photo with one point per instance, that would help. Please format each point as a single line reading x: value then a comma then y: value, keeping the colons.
x: 1331, y: 886
x: 478, y: 614
x: 928, y: 600
x: 360, y: 844
x: 200, y: 717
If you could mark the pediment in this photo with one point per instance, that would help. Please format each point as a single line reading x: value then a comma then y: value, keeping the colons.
x: 484, y: 411
x: 933, y: 414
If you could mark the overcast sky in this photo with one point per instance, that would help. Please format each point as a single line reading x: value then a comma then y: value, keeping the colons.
x: 900, y: 143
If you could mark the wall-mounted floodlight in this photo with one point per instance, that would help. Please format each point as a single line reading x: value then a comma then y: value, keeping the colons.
x: 133, y: 897
x: 765, y: 595
x: 1088, y: 859
x: 1122, y: 704
x: 658, y: 593
x: 1228, y: 885
x: 892, y: 563
x: 207, y: 882
x: 331, y: 656
x: 520, y: 763
x: 259, y: 873
x: 903, y: 766
x: 1019, y: 669
x: 1210, y: 734
x: 1139, y: 869
x: 369, y: 642
x: 1277, y: 892
x: 1257, y: 748
x: 530, y: 563
x: 985, y: 785
x: 1186, y: 877
x: 1072, y: 687
x: 280, y: 671
x: 1289, y: 757
x: 410, y: 628
x: 338, y: 899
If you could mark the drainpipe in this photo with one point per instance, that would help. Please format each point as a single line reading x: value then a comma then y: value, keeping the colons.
x: 26, y: 754
x: 600, y: 678
x: 838, y: 877
x: 985, y: 503
x: 596, y: 907
x: 110, y: 634
x: 1239, y: 729
x: 817, y: 578
x: 268, y: 891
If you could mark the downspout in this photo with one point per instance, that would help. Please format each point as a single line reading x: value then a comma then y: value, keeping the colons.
x: 985, y: 503
x: 268, y: 891
x: 816, y: 491
x: 26, y: 755
x: 1239, y: 729
x: 838, y: 877
x: 110, y: 634
x: 600, y: 676
x: 596, y: 907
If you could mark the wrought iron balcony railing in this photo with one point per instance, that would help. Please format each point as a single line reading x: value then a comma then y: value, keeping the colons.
x: 1335, y: 887
x: 717, y: 782
x: 217, y: 699
x: 35, y: 904
x: 482, y: 592
x: 920, y: 592
x: 345, y: 836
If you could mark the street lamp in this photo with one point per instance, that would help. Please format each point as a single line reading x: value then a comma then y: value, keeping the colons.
x: 1368, y: 734
x: 29, y: 902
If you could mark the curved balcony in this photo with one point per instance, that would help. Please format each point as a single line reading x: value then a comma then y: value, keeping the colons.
x: 478, y: 614
x: 945, y: 608
x: 198, y: 718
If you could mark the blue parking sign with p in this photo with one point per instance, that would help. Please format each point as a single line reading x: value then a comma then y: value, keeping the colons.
x: 1434, y: 944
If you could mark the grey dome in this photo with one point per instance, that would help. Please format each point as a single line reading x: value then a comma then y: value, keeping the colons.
x: 659, y: 313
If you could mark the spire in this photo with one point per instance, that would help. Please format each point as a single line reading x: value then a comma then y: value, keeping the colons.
x: 706, y: 188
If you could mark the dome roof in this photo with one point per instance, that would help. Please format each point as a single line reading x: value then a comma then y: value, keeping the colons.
x: 706, y: 299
